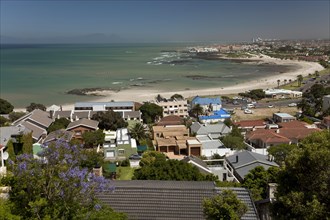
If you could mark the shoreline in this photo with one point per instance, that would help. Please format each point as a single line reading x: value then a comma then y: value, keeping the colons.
x: 142, y: 94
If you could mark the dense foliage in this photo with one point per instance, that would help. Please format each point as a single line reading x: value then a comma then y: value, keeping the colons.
x: 226, y: 205
x: 255, y: 94
x: 156, y: 167
x: 234, y: 139
x: 109, y: 120
x: 257, y: 181
x: 13, y: 116
x: 59, y: 123
x: 177, y: 96
x: 55, y: 187
x: 311, y: 104
x: 138, y: 133
x: 34, y: 106
x: 151, y: 112
x: 280, y: 152
x: 5, y: 107
x: 303, y: 183
x: 3, y: 121
x: 93, y: 138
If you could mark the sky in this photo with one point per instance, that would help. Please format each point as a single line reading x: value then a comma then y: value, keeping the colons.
x: 65, y: 21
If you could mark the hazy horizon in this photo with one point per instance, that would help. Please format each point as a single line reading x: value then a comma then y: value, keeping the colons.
x: 56, y: 22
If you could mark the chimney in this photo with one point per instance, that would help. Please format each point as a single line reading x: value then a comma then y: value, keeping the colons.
x: 51, y: 112
x: 236, y: 159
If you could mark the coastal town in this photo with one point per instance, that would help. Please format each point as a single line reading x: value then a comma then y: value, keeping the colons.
x: 181, y: 147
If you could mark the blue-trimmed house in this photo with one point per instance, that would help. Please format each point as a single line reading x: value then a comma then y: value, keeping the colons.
x: 208, y: 104
x: 214, y: 117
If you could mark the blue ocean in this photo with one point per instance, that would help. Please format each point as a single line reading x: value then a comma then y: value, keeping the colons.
x: 45, y: 73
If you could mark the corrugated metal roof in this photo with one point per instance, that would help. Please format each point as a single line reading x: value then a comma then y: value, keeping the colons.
x: 156, y: 199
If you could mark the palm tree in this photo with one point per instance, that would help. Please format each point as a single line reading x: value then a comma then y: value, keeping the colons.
x: 300, y: 79
x: 197, y: 110
x: 290, y: 80
x: 285, y: 81
x: 137, y: 132
x: 278, y: 83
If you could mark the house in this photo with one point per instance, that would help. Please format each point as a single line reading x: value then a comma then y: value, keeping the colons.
x: 213, y: 146
x: 174, y: 139
x: 118, y: 145
x: 175, y: 200
x: 37, y: 122
x: 213, y: 130
x: 174, y: 106
x: 215, y: 116
x: 105, y: 106
x: 208, y: 104
x: 249, y: 125
x: 200, y: 164
x: 326, y: 102
x: 61, y: 134
x: 289, y: 133
x: 244, y: 161
x: 170, y: 120
x: 81, y: 126
x: 283, y: 117
x: 282, y: 93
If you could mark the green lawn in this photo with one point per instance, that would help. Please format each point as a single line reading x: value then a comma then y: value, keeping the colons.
x: 125, y: 173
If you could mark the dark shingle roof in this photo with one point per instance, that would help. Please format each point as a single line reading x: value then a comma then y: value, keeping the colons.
x: 161, y: 200
x: 83, y: 122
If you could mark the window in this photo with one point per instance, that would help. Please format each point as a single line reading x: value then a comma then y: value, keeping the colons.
x: 121, y: 152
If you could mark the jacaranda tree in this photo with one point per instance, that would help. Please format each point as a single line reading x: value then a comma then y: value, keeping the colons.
x: 56, y: 187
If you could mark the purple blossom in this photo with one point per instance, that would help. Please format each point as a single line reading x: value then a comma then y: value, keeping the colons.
x: 97, y: 207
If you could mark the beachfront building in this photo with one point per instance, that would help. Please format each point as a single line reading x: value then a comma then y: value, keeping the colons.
x: 208, y: 104
x: 105, y: 106
x: 174, y: 106
x: 282, y: 93
x: 214, y: 116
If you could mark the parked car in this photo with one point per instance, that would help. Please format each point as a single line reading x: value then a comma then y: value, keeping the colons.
x: 270, y: 106
x: 135, y: 157
x: 248, y: 111
x: 250, y: 105
x: 292, y: 104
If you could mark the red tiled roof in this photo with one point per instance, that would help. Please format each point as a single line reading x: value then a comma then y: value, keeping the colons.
x: 293, y: 124
x: 250, y: 123
x: 170, y: 120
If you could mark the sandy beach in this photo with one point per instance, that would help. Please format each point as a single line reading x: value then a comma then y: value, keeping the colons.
x: 141, y: 95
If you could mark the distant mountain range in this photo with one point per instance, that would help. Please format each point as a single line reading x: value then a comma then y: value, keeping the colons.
x: 89, y: 38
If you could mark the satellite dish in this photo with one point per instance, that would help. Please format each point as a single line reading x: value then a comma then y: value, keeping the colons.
x: 5, y: 155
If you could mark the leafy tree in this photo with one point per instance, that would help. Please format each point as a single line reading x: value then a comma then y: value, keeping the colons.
x: 58, y: 124
x: 151, y: 112
x: 177, y: 96
x: 228, y: 122
x: 300, y: 78
x: 55, y: 188
x: 303, y: 182
x: 3, y: 121
x: 226, y: 205
x: 257, y: 181
x: 93, y: 138
x: 234, y: 139
x: 197, y: 110
x: 137, y: 132
x: 170, y: 170
x: 150, y: 157
x: 5, y: 107
x: 109, y: 120
x: 5, y: 211
x: 280, y: 152
x: 91, y: 159
x: 34, y: 106
x: 13, y: 116
x: 324, y: 63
